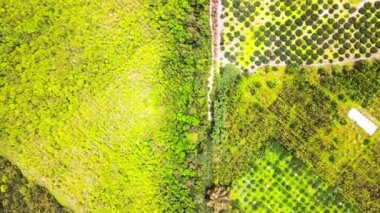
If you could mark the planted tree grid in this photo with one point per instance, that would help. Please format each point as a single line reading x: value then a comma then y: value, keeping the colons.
x: 279, y: 182
x: 312, y: 32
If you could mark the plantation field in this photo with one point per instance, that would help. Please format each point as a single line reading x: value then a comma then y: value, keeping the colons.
x: 279, y: 182
x: 103, y: 102
x: 311, y: 32
x: 305, y: 109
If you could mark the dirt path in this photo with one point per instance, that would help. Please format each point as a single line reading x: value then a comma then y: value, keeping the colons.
x: 351, y: 60
x: 216, y: 29
x: 205, y: 158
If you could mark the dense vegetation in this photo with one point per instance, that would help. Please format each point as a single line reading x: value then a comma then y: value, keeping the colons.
x: 19, y: 195
x: 360, y: 84
x: 104, y: 102
x: 279, y: 182
x: 306, y: 111
x: 225, y: 83
x: 280, y: 32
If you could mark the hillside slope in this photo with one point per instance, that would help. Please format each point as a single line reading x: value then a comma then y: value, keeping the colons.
x: 101, y: 101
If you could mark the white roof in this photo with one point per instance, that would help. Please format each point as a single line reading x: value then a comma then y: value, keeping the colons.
x: 362, y: 121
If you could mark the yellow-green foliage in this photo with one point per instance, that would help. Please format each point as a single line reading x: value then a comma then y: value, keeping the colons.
x: 95, y: 99
x: 306, y: 111
x: 280, y: 182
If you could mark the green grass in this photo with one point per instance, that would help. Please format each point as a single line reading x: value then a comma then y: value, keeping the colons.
x: 279, y: 182
x: 97, y: 100
x: 264, y: 86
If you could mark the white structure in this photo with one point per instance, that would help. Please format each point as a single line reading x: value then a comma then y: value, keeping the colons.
x: 362, y: 121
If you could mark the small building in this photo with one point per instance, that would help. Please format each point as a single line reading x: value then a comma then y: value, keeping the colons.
x: 362, y: 121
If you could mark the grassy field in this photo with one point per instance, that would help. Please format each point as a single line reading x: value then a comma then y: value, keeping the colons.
x: 279, y: 182
x: 97, y: 100
x: 277, y: 33
x: 305, y: 109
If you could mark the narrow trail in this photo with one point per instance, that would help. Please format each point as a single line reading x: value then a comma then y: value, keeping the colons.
x: 216, y: 29
x: 350, y: 60
x: 205, y: 158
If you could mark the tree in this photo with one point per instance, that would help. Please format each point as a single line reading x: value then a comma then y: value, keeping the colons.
x: 292, y: 69
x: 229, y: 76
